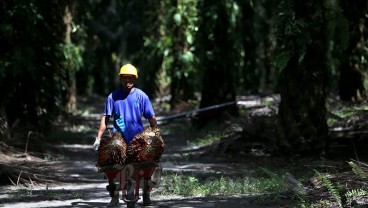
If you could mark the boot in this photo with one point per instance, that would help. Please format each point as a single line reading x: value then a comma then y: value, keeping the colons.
x: 114, y: 200
x: 146, y: 199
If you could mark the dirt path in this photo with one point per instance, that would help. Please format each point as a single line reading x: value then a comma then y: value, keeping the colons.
x: 77, y: 182
x: 80, y: 185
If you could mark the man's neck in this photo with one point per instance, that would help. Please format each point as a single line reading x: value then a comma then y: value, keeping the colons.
x: 127, y: 90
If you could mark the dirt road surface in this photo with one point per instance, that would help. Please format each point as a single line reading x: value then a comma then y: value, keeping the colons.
x: 81, y: 185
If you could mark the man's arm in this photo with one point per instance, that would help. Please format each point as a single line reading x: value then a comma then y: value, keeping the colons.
x: 153, y: 122
x: 103, y: 126
x: 101, y: 130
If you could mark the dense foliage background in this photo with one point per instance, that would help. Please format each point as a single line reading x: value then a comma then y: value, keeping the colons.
x: 53, y: 51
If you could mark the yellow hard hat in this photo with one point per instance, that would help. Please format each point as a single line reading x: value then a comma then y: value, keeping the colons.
x: 128, y: 69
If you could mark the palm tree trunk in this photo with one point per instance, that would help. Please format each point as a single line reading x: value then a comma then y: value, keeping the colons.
x: 303, y: 124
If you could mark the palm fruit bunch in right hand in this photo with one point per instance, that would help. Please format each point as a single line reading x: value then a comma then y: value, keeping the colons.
x: 112, y: 150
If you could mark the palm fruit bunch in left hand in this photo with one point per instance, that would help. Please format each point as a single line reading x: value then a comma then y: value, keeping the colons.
x: 146, y: 146
x: 112, y: 150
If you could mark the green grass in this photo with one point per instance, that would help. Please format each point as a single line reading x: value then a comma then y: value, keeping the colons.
x: 344, y: 111
x: 54, y: 157
x: 189, y: 185
x: 207, y: 139
x: 207, y: 135
x: 174, y: 129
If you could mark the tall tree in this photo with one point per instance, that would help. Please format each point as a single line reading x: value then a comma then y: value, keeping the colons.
x: 113, y: 30
x: 30, y: 71
x: 257, y: 71
x: 302, y: 111
x: 72, y: 58
x: 182, y: 73
x: 215, y: 42
x: 353, y: 66
x: 151, y: 56
x: 249, y: 81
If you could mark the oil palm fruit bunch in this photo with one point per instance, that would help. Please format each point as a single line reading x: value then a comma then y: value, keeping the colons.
x: 112, y: 150
x: 146, y: 146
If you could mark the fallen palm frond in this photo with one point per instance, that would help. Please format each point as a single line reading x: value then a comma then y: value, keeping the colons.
x: 22, y: 169
x: 26, y: 173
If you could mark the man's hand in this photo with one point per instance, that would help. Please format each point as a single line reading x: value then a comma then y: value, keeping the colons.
x: 153, y: 122
x: 96, y: 145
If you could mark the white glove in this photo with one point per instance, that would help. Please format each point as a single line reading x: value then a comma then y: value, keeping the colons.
x: 96, y: 145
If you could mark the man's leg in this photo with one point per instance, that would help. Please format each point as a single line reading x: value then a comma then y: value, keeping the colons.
x: 146, y: 193
x: 114, y: 188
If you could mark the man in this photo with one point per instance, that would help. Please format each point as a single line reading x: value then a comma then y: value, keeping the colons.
x: 126, y: 106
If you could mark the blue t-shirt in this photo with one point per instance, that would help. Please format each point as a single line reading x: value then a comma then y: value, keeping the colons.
x: 127, y: 110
